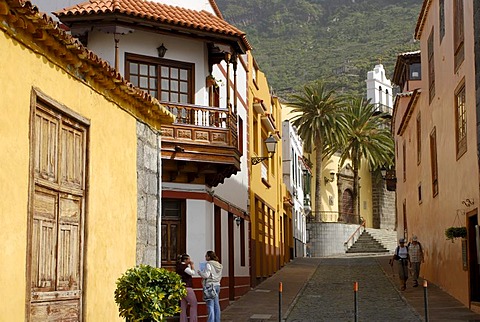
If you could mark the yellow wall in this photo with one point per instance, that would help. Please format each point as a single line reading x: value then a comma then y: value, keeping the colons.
x: 111, y: 204
x: 271, y: 195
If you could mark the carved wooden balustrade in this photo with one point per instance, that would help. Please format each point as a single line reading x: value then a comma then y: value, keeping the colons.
x: 204, y: 135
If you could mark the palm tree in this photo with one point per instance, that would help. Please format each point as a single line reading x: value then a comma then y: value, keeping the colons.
x: 366, y: 136
x: 316, y: 111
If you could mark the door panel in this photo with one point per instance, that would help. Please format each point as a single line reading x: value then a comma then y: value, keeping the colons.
x: 55, y: 242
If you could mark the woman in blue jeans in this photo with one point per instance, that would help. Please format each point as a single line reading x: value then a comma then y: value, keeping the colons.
x: 212, y: 274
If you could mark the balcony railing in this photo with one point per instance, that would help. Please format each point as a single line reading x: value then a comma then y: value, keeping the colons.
x: 214, y: 124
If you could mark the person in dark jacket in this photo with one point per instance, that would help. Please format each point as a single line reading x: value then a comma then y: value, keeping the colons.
x: 186, y: 269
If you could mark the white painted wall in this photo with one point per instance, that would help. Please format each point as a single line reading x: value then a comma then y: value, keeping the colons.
x: 200, y: 228
x: 377, y: 79
x: 146, y: 43
x: 235, y: 188
x: 292, y: 150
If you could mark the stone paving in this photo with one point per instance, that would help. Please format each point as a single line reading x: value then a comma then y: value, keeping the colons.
x: 329, y: 295
x: 321, y: 289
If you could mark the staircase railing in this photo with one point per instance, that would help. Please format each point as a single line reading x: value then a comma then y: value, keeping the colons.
x: 353, y: 237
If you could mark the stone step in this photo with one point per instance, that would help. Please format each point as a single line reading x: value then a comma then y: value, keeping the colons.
x: 367, y: 244
x: 388, y: 238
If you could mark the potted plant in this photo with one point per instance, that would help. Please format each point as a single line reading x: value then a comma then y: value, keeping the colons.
x: 211, y: 81
x: 146, y: 293
x: 456, y: 232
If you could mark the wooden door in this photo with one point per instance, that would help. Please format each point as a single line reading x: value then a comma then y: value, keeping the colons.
x: 347, y: 207
x: 173, y: 231
x: 55, y: 244
x: 473, y: 261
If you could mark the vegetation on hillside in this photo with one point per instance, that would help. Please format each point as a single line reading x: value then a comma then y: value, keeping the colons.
x: 300, y: 41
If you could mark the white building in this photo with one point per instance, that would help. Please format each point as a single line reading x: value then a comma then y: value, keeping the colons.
x: 196, y: 192
x: 294, y: 171
x: 379, y: 89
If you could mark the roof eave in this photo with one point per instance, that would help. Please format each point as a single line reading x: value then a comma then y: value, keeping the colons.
x: 421, y: 19
x: 239, y: 42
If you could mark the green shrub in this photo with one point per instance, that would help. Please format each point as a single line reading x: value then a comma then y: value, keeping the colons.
x: 146, y: 293
x: 456, y: 232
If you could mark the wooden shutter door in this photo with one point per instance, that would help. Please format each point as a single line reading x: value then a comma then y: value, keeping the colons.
x: 59, y: 155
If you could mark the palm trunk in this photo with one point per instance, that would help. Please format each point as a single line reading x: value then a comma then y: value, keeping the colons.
x: 318, y: 180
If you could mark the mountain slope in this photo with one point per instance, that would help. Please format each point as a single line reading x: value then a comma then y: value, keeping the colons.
x: 298, y: 41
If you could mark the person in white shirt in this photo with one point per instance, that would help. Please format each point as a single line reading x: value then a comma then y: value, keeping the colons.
x: 402, y: 257
x: 212, y: 275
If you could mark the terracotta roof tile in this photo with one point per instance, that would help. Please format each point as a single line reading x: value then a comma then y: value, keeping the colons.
x: 19, y: 16
x: 216, y: 9
x: 159, y: 12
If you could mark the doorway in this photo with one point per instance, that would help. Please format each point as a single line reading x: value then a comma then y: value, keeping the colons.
x: 473, y: 265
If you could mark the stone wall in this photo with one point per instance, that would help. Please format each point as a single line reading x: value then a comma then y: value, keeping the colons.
x: 148, y: 194
x: 383, y: 203
x: 327, y: 239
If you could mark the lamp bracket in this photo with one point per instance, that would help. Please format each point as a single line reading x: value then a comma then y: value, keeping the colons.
x: 257, y: 160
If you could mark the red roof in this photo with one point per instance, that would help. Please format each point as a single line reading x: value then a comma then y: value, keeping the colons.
x: 19, y: 17
x: 157, y: 12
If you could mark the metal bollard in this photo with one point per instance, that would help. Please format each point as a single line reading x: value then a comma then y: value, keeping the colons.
x: 280, y: 290
x: 355, y: 291
x: 425, y: 299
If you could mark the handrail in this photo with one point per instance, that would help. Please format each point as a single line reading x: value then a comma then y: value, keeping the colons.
x: 350, y: 239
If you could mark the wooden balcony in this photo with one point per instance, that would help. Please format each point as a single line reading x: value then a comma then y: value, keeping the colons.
x: 201, y: 146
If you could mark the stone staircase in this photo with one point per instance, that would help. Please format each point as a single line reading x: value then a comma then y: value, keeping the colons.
x: 387, y: 237
x: 367, y: 243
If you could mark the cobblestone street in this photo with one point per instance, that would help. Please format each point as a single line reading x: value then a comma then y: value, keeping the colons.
x: 321, y: 289
x: 329, y: 296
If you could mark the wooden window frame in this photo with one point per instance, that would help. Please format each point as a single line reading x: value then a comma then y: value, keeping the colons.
x: 242, y: 243
x: 419, y: 190
x: 255, y: 74
x: 431, y: 66
x: 419, y: 139
x: 240, y: 135
x: 458, y: 33
x: 434, y: 161
x: 65, y: 181
x: 255, y: 129
x: 441, y: 18
x: 460, y: 121
x: 156, y: 89
x: 404, y: 160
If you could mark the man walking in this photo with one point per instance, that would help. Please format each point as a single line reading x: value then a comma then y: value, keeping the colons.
x: 416, y: 258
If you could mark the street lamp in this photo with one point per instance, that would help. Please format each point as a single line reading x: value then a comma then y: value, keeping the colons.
x: 330, y: 179
x: 161, y: 50
x: 271, y: 144
x: 390, y: 178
